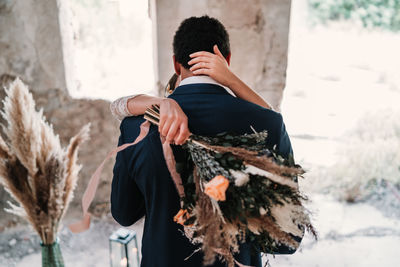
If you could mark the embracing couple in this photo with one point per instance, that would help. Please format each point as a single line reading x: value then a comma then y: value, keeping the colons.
x: 204, y: 98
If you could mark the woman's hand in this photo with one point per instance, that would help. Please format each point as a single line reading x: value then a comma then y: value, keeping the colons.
x: 213, y: 65
x: 216, y: 67
x: 173, y: 122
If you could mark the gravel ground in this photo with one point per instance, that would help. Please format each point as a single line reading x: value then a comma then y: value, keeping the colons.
x: 19, y: 246
x: 356, y: 235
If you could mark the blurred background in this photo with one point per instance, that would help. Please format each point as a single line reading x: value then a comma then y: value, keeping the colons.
x: 331, y: 67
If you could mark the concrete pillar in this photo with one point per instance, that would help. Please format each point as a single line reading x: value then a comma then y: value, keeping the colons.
x: 259, y: 38
x: 31, y: 43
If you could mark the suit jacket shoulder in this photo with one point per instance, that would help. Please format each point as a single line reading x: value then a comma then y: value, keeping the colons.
x: 211, y: 110
x: 265, y: 119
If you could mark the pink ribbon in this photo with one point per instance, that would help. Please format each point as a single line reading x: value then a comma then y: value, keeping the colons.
x: 171, y: 164
x: 91, y: 188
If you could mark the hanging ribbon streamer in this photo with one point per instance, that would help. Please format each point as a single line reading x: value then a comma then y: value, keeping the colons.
x: 91, y: 188
x: 171, y: 164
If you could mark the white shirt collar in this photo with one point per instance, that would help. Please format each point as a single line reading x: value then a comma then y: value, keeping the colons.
x: 203, y: 79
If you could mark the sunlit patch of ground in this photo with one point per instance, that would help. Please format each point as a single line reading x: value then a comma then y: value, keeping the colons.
x: 349, y: 235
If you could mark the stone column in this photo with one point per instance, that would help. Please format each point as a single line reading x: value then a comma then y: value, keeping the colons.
x: 31, y: 43
x: 259, y: 38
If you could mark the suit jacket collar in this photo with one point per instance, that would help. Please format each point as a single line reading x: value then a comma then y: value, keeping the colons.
x: 200, y: 88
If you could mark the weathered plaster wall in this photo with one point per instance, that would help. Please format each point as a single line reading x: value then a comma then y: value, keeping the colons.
x: 30, y: 43
x: 31, y: 47
x: 259, y: 38
x: 68, y: 115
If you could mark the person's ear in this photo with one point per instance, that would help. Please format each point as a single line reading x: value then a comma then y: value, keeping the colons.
x: 177, y: 66
x: 228, y: 59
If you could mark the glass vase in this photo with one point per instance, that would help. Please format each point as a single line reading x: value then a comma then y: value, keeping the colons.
x: 51, y: 255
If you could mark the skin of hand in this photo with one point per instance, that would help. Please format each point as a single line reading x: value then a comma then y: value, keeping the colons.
x: 213, y: 65
x: 216, y: 66
x: 173, y: 122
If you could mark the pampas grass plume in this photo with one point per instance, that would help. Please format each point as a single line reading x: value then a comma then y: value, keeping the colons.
x: 34, y: 168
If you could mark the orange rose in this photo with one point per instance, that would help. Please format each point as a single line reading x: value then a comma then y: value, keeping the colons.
x: 181, y: 216
x: 216, y: 188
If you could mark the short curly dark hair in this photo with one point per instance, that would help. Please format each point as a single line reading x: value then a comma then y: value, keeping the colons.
x: 199, y: 34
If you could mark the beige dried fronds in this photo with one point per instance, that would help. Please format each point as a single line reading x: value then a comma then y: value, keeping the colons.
x: 23, y: 129
x: 4, y: 150
x: 38, y: 173
x: 71, y: 167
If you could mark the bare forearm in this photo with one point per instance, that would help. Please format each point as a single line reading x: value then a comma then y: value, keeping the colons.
x: 241, y: 90
x: 139, y: 104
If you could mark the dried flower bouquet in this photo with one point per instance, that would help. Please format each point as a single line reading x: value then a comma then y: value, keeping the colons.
x: 236, y: 189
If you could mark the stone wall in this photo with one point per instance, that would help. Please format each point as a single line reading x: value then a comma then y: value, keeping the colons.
x: 68, y: 115
x: 31, y: 43
x: 32, y: 47
x: 259, y: 38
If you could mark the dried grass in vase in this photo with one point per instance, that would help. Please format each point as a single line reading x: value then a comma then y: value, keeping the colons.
x: 35, y: 169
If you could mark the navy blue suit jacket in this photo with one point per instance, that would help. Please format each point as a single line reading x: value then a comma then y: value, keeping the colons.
x: 142, y: 185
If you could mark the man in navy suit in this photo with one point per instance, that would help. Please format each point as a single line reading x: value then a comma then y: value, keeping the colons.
x: 142, y: 185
